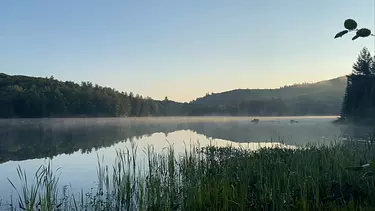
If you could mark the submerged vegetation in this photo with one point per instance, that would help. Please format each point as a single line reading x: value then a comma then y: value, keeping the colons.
x: 338, y: 177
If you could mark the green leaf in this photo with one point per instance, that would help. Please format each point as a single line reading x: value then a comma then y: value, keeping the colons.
x: 355, y: 37
x: 350, y: 24
x: 364, y: 32
x: 340, y: 34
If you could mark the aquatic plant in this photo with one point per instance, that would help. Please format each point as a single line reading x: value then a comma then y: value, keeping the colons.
x: 336, y: 177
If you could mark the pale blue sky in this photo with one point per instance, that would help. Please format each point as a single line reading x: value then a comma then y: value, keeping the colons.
x: 181, y: 48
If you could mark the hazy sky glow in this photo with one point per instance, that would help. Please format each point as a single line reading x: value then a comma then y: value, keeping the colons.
x: 178, y: 48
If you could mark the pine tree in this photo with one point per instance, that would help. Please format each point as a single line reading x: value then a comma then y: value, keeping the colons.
x: 358, y: 99
x: 364, y: 64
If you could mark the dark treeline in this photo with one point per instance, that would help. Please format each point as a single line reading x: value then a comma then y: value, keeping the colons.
x: 28, y: 97
x: 359, y: 98
x: 34, y: 97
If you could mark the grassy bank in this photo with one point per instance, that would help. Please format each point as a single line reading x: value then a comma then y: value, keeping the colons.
x: 312, y: 178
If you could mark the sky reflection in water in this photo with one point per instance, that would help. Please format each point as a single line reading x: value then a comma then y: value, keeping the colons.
x: 102, y: 138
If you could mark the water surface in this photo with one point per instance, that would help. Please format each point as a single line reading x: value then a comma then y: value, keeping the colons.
x: 74, y: 144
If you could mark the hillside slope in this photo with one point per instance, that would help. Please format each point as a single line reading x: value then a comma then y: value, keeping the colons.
x: 329, y: 90
x: 35, y: 97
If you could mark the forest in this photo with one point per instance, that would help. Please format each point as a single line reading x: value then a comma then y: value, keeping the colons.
x: 30, y: 97
x: 330, y: 91
x: 36, y: 97
x: 359, y: 98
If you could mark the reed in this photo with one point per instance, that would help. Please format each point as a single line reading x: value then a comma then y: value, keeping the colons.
x: 337, y: 177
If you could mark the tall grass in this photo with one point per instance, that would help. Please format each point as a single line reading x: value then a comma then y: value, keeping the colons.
x: 338, y: 177
x: 41, y: 194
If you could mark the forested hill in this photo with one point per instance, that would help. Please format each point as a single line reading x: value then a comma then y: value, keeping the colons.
x: 320, y: 91
x: 33, y: 97
x: 29, y: 97
x: 322, y: 98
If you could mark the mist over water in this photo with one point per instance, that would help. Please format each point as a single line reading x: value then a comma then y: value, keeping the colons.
x: 75, y: 144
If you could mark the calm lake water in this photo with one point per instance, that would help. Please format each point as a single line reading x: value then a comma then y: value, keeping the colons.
x: 75, y: 144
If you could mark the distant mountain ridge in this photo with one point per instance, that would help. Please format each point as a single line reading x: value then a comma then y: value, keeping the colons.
x: 35, y: 97
x: 321, y: 91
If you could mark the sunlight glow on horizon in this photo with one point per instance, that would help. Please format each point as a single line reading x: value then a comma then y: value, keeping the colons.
x: 182, y: 49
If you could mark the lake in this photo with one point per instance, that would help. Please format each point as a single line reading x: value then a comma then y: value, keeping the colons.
x: 74, y: 144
